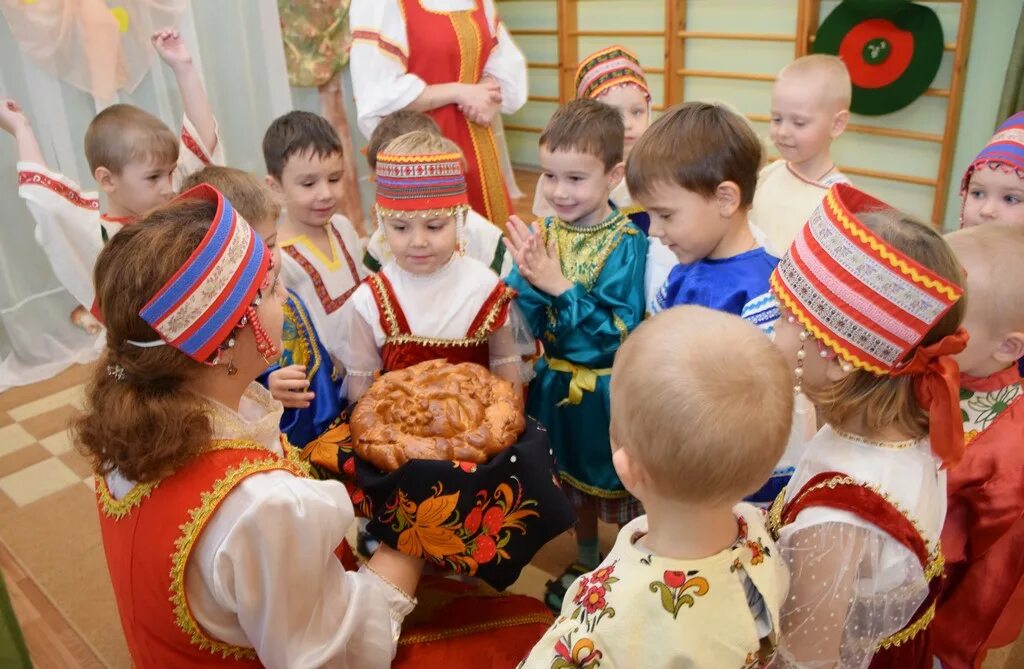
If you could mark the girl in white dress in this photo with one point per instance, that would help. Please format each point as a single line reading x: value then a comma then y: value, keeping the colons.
x: 871, y: 313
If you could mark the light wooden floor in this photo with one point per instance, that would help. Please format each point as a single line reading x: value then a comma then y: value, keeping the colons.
x: 52, y: 643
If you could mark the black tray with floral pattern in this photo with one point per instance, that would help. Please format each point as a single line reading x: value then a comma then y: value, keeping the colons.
x: 484, y: 520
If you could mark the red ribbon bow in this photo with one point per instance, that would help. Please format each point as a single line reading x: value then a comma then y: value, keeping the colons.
x: 937, y: 389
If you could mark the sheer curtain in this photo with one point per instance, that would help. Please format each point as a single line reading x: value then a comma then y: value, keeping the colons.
x: 236, y: 45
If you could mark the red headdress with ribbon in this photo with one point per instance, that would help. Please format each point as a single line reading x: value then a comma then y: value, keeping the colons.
x: 873, y: 305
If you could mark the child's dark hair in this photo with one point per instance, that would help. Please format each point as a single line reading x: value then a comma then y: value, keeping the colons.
x: 395, y: 125
x: 696, y: 146
x: 587, y: 126
x: 298, y: 132
x: 145, y: 424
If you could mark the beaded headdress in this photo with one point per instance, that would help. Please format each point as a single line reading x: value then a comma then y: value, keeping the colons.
x: 871, y: 305
x: 215, y: 290
x: 609, y: 67
x: 434, y: 182
x: 1004, y: 151
x: 431, y: 185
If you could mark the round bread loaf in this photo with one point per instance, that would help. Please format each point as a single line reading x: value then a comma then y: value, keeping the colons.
x: 436, y: 411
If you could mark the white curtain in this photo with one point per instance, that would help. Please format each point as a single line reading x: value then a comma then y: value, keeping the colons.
x: 236, y: 45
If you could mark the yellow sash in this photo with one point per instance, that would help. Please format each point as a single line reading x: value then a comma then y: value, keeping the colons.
x: 584, y: 379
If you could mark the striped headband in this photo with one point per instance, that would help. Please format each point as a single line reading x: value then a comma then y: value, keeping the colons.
x: 855, y: 293
x: 607, y: 68
x: 419, y: 183
x: 199, y: 307
x: 1006, y: 148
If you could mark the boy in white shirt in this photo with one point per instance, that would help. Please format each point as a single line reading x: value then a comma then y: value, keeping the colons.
x: 321, y: 255
x: 810, y: 109
x: 136, y: 160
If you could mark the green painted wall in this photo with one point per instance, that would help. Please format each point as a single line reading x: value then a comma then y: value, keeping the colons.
x: 995, y: 25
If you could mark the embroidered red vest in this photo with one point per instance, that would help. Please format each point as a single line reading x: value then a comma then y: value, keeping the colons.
x: 454, y: 46
x: 910, y: 647
x: 403, y: 349
x: 149, y: 536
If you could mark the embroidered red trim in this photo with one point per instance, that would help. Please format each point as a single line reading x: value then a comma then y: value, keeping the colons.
x: 70, y: 194
x: 120, y: 220
x: 382, y: 44
x: 329, y: 304
x: 193, y: 145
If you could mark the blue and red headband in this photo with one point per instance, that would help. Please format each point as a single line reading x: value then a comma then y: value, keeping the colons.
x: 208, y: 297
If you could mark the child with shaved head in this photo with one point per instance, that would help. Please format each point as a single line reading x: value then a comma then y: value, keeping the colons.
x: 982, y: 605
x: 701, y: 403
x: 810, y: 109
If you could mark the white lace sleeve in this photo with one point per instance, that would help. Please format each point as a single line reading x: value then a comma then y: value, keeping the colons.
x: 360, y: 351
x: 851, y: 586
x: 511, y: 346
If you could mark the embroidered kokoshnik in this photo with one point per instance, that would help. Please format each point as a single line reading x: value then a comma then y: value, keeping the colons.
x: 817, y: 492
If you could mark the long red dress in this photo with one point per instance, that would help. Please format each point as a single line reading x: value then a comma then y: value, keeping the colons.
x: 454, y: 46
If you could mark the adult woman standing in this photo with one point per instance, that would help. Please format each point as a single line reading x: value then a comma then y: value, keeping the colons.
x: 452, y: 59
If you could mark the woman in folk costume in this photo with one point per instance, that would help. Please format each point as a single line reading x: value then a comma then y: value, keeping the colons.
x: 453, y: 59
x: 872, y: 305
x: 201, y: 509
x: 431, y: 301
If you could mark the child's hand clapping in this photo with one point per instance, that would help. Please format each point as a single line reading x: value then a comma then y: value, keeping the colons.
x: 290, y: 386
x: 171, y: 47
x: 12, y: 118
x: 538, y: 262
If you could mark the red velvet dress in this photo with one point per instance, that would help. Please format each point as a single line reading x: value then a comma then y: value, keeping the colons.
x: 909, y: 648
x: 454, y: 46
x: 982, y: 604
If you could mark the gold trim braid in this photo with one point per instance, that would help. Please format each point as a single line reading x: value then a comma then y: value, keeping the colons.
x: 190, y: 531
x: 485, y: 149
x: 119, y: 508
x: 910, y: 631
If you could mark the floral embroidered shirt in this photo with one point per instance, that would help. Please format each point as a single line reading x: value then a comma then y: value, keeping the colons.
x: 642, y: 610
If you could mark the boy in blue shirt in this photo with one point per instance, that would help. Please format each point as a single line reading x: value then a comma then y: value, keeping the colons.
x: 694, y: 171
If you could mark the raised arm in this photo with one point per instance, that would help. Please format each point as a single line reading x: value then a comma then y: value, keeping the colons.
x: 173, y: 51
x: 14, y: 121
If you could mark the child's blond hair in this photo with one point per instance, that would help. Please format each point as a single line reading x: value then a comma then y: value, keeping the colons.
x: 420, y: 143
x: 256, y: 203
x: 889, y: 401
x: 830, y: 73
x: 123, y: 134
x: 703, y: 401
x: 991, y: 256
